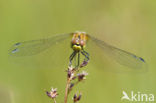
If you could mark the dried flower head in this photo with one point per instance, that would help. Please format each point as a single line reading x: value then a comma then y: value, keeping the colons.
x: 84, y: 63
x: 77, y: 98
x: 70, y: 72
x: 53, y: 93
x: 82, y: 76
x: 70, y: 86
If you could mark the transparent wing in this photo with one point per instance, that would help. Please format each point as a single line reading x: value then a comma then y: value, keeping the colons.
x: 33, y: 47
x: 121, y: 56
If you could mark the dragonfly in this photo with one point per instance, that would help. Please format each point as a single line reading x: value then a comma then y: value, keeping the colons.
x: 79, y: 42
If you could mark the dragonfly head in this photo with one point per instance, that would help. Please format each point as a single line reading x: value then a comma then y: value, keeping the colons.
x: 79, y: 41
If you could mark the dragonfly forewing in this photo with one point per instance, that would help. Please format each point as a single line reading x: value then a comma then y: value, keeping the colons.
x: 28, y: 48
x: 122, y: 57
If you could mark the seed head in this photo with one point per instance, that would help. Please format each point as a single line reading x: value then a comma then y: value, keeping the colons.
x: 53, y: 93
x: 70, y: 72
x: 77, y: 98
x: 71, y: 86
x: 84, y: 63
x: 82, y: 76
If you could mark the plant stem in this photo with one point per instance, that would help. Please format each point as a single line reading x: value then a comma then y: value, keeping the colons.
x: 66, y: 90
x: 54, y: 100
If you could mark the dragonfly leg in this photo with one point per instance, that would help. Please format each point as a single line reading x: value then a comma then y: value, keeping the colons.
x: 71, y: 58
x: 78, y: 64
x: 86, y: 55
x: 77, y: 59
x: 86, y: 60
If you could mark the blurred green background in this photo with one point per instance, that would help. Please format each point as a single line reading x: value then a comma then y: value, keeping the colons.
x: 126, y: 24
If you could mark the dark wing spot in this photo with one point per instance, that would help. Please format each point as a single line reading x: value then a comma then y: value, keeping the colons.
x: 141, y: 59
x: 17, y: 44
x: 15, y: 50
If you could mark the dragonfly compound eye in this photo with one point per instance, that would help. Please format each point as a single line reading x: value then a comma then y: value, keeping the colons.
x: 82, y: 43
x: 74, y: 41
